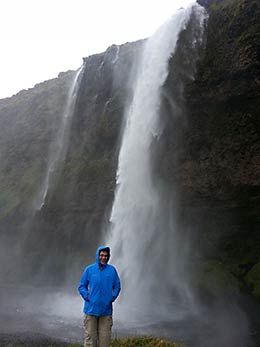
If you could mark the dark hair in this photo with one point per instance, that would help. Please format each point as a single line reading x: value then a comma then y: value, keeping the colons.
x: 106, y: 249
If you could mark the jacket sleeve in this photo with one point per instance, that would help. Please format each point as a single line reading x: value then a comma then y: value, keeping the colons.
x: 83, y: 285
x: 116, y: 286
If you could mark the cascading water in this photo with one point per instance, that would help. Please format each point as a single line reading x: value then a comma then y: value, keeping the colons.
x: 59, y: 148
x: 151, y: 266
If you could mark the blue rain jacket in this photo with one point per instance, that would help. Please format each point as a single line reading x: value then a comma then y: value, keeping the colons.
x: 99, y: 287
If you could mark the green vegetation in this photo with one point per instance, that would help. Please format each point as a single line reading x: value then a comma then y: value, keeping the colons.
x: 218, y: 276
x: 138, y: 342
x: 122, y: 342
x: 143, y: 342
x: 253, y: 280
x: 233, y: 32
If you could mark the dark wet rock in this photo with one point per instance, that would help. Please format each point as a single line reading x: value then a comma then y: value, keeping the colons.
x: 219, y: 168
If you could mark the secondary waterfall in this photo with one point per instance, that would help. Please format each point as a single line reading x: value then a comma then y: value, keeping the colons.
x: 151, y: 265
x: 59, y: 148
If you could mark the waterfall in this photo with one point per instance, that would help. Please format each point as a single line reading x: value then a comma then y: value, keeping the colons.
x: 59, y: 148
x: 151, y: 266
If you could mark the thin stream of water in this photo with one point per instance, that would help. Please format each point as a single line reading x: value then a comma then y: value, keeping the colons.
x: 59, y: 149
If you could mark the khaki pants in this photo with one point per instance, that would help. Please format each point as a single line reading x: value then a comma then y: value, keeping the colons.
x: 97, y: 330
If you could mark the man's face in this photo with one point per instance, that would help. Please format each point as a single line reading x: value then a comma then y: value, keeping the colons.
x: 103, y: 257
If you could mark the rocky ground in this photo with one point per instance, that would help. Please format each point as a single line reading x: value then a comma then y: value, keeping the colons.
x: 189, y: 333
x: 32, y: 340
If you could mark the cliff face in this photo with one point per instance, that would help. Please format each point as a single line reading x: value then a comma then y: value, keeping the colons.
x: 28, y: 125
x: 29, y: 122
x: 221, y: 167
x: 211, y: 155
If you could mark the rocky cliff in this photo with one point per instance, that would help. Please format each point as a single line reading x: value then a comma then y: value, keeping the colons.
x: 221, y: 168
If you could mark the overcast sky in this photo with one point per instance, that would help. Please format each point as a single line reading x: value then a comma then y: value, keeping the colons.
x: 40, y: 38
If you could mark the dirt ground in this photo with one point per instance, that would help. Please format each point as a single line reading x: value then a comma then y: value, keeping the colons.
x: 35, y: 340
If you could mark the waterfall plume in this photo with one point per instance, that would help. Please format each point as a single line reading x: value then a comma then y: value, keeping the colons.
x: 151, y: 265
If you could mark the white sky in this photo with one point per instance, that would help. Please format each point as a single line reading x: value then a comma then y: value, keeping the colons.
x: 40, y: 38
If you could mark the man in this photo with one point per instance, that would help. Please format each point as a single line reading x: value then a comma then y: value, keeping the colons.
x: 99, y: 287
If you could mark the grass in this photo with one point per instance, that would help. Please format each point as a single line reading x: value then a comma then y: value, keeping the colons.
x: 39, y: 341
x: 138, y: 342
x: 143, y: 342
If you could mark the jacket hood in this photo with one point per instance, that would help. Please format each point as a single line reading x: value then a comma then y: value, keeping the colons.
x: 102, y: 248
